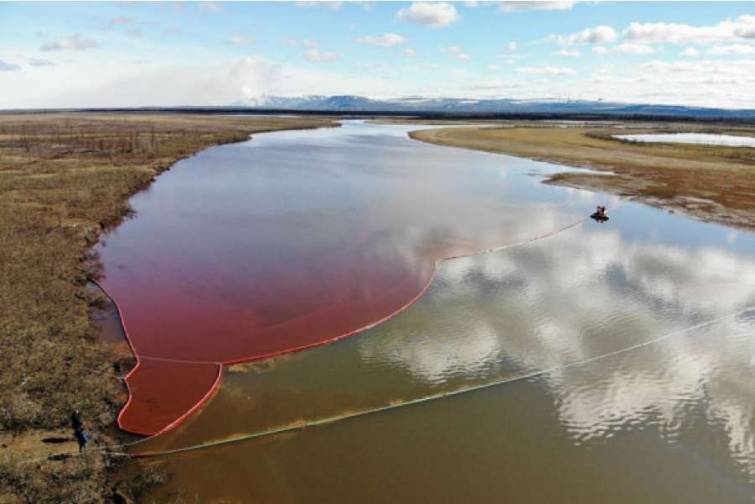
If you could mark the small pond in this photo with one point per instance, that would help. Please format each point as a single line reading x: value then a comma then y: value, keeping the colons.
x: 692, y: 138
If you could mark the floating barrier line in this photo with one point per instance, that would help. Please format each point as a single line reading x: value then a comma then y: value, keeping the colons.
x: 350, y: 333
x: 329, y: 420
x: 253, y: 358
x: 202, y: 401
x: 216, y: 384
x: 414, y: 402
x: 295, y: 427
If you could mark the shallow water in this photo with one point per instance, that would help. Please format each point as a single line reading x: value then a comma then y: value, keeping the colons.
x: 692, y: 138
x: 669, y: 419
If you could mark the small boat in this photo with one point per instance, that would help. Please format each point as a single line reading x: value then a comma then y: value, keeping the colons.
x: 599, y: 215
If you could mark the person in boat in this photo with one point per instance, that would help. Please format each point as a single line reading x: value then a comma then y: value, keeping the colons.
x: 600, y: 213
x: 81, y: 435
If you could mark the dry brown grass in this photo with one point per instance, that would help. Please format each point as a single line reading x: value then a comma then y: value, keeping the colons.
x: 707, y: 182
x: 64, y: 179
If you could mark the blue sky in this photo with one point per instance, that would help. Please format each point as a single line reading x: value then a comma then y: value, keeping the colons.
x: 215, y: 53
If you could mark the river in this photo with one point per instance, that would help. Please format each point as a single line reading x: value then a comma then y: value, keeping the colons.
x: 610, y: 362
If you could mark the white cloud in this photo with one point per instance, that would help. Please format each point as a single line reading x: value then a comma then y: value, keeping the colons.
x: 367, y: 5
x: 546, y: 70
x: 37, y: 62
x: 701, y: 82
x: 674, y: 33
x: 745, y: 27
x: 117, y: 21
x: 704, y: 70
x: 598, y: 35
x: 8, y: 67
x: 630, y: 48
x: 317, y: 56
x: 124, y: 83
x: 456, y: 52
x: 689, y: 52
x: 327, y: 4
x: 209, y: 6
x: 116, y: 84
x: 241, y: 40
x: 432, y: 14
x: 670, y: 67
x: 733, y: 49
x: 73, y: 43
x: 385, y: 40
x: 628, y: 81
x: 625, y: 48
x: 118, y: 81
x: 569, y: 53
x: 512, y: 6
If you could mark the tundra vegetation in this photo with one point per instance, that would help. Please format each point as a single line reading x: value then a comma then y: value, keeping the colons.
x: 708, y: 182
x: 64, y: 180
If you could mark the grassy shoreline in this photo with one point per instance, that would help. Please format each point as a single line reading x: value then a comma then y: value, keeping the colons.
x: 709, y: 183
x: 65, y: 179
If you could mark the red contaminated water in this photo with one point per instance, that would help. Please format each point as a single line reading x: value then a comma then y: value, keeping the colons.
x: 166, y: 393
x: 289, y: 241
x: 182, y: 348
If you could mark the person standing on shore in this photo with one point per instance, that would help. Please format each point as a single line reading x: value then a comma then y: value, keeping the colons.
x: 81, y: 435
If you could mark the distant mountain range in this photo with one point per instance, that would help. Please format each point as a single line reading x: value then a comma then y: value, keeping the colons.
x: 503, y: 106
x: 454, y: 108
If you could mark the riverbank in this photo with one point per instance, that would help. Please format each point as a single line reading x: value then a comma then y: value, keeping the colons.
x: 710, y: 183
x: 64, y: 180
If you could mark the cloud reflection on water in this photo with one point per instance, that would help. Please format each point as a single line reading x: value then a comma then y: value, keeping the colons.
x: 585, y: 293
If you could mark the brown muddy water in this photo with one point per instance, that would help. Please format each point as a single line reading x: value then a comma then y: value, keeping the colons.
x: 637, y: 336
